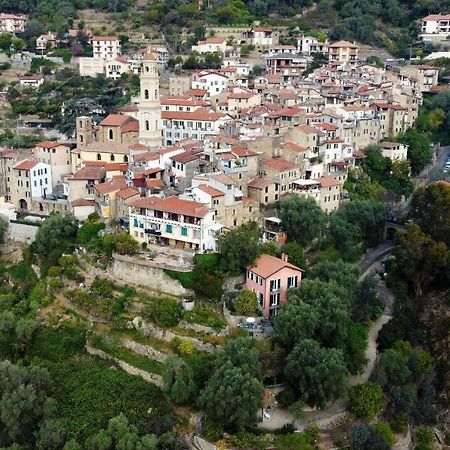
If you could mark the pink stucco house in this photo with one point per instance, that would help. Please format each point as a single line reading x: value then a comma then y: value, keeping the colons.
x: 270, y: 278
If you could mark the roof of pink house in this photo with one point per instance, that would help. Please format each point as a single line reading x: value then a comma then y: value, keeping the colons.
x: 267, y: 265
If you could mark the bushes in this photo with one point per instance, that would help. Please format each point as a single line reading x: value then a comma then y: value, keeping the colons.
x: 203, y: 315
x: 246, y: 303
x: 165, y: 312
x: 366, y: 400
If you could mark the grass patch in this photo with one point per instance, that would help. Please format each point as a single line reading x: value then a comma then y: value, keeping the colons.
x: 109, y: 345
x: 134, y: 335
x: 185, y: 278
x: 203, y: 337
x: 204, y: 315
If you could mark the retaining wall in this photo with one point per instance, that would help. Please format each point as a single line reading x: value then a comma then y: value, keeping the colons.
x: 144, y: 273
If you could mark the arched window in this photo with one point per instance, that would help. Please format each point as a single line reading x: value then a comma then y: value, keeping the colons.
x: 81, y: 138
x: 99, y: 157
x: 147, y: 125
x: 147, y: 69
x: 125, y: 158
x: 146, y: 95
x: 110, y: 134
x: 111, y: 158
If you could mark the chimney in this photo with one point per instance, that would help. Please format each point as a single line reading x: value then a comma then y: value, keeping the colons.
x: 284, y: 257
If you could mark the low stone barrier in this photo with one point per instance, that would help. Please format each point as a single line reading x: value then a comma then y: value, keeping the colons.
x: 147, y: 376
x: 145, y: 350
x: 150, y: 329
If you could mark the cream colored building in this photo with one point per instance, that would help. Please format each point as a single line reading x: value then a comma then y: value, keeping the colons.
x: 211, y: 45
x: 57, y: 156
x: 343, y: 51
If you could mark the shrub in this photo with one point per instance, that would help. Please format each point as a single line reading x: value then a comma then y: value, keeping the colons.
x: 165, y: 312
x: 399, y: 423
x: 54, y: 271
x: 246, y: 303
x: 385, y: 430
x: 425, y: 436
x: 185, y: 348
x: 366, y: 400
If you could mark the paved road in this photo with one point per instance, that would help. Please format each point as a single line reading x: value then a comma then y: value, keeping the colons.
x: 435, y: 173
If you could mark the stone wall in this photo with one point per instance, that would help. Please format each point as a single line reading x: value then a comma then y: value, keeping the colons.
x: 22, y: 232
x: 150, y: 329
x: 147, y: 376
x: 145, y: 350
x: 143, y: 273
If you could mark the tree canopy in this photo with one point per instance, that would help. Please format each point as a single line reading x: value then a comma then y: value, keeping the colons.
x: 302, y: 219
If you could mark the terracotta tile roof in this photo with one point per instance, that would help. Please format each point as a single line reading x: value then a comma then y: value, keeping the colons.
x: 267, y: 265
x: 153, y: 183
x: 127, y: 192
x: 83, y: 202
x: 210, y: 190
x: 328, y: 182
x: 327, y: 126
x: 88, y: 173
x: 111, y: 186
x: 173, y: 205
x: 146, y: 156
x: 308, y: 129
x: 343, y: 44
x: 241, y: 151
x: 105, y: 38
x: 196, y: 92
x: 280, y: 164
x: 51, y: 144
x: 224, y: 179
x: 26, y: 164
x: 130, y: 127
x: 184, y: 158
x: 259, y: 183
x: 294, y: 147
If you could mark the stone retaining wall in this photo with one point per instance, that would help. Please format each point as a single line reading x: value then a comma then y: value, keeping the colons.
x: 204, y: 329
x: 147, y: 376
x: 145, y: 350
x: 143, y: 273
x: 150, y: 329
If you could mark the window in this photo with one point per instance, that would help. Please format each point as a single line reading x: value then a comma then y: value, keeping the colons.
x: 261, y: 299
x: 275, y: 299
x: 184, y: 231
x: 292, y: 282
x: 147, y: 125
x: 112, y: 158
x: 274, y: 285
x: 168, y: 228
x: 146, y: 95
x: 111, y: 134
x: 99, y: 157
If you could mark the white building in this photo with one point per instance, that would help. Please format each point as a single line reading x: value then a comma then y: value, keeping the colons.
x: 32, y: 81
x: 45, y: 41
x: 394, y: 150
x: 12, y: 23
x: 211, y: 45
x: 261, y: 36
x: 437, y: 25
x: 174, y: 221
x: 199, y: 124
x: 91, y: 67
x: 114, y: 68
x: 309, y: 44
x: 213, y: 82
x: 105, y: 47
x: 149, y: 109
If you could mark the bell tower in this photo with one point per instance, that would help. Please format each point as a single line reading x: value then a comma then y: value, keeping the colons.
x: 149, y: 114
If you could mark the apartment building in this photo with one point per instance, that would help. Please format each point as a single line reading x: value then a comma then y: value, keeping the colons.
x: 343, y: 51
x: 435, y: 25
x: 199, y: 124
x: 12, y: 23
x: 309, y: 44
x: 30, y: 179
x: 57, y: 156
x: 184, y: 224
x: 106, y: 47
x: 212, y: 81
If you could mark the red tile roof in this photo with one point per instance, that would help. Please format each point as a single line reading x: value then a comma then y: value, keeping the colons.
x: 173, y: 205
x: 88, y: 173
x: 127, y: 192
x: 259, y: 183
x: 26, y: 164
x: 267, y: 265
x: 51, y: 144
x: 279, y: 164
x: 210, y: 190
x: 83, y: 202
x: 328, y: 182
x: 184, y: 158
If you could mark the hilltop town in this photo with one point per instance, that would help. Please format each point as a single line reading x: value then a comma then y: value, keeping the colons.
x: 236, y: 236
